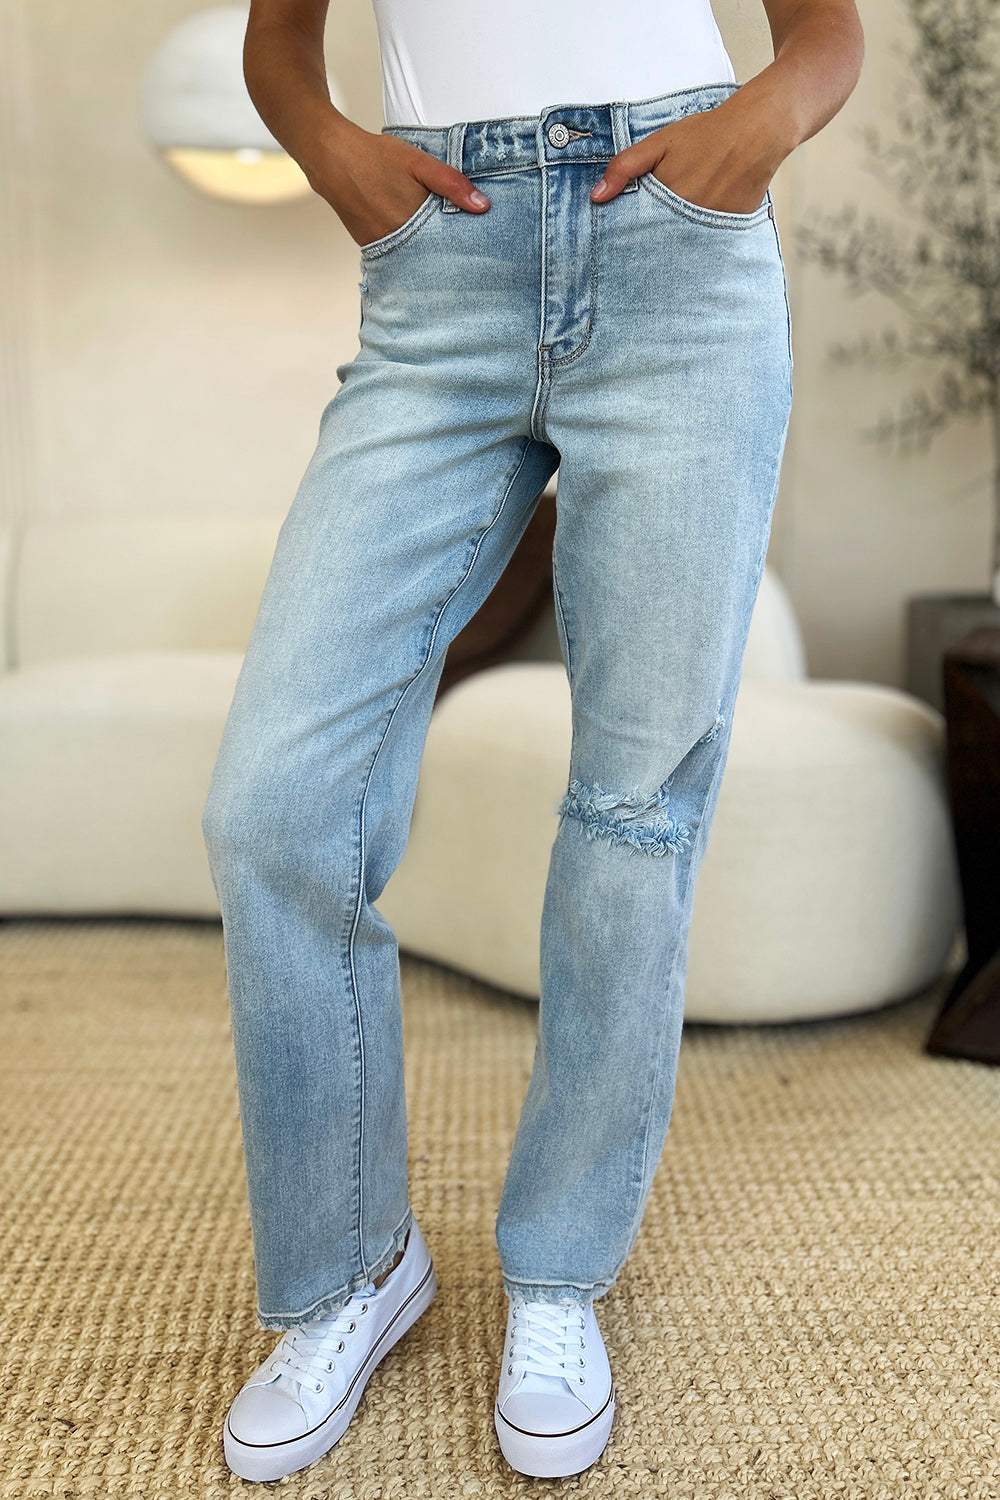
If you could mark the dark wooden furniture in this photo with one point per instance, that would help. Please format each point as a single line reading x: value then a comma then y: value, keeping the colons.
x: 969, y: 1023
x: 515, y: 605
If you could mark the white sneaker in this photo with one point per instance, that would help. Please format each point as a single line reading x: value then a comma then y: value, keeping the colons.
x: 556, y: 1400
x: 296, y: 1405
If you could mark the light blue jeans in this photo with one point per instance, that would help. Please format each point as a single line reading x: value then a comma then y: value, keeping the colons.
x: 643, y: 347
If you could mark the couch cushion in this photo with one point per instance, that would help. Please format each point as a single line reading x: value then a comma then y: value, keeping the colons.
x: 121, y: 684
x: 105, y: 764
x: 90, y: 585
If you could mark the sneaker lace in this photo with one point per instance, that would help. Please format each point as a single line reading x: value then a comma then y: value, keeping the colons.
x: 547, y: 1339
x: 305, y: 1353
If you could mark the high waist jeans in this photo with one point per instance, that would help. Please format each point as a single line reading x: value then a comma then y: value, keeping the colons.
x: 643, y: 347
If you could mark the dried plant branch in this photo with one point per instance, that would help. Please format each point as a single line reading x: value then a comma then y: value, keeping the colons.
x: 942, y: 276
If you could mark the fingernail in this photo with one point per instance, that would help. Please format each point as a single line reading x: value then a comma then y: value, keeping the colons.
x: 601, y: 188
x: 479, y: 199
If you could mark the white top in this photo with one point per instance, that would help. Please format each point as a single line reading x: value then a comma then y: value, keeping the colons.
x: 449, y: 60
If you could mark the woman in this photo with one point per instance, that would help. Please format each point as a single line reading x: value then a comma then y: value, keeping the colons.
x: 596, y: 285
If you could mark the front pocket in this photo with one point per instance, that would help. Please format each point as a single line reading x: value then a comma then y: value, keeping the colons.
x: 396, y: 237
x: 716, y: 217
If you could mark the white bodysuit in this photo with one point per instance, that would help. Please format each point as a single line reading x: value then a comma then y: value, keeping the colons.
x: 449, y: 60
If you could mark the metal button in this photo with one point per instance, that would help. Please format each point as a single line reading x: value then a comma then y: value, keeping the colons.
x: 558, y: 134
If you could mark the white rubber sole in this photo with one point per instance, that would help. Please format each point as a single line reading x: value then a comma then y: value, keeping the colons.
x: 266, y: 1461
x: 559, y: 1456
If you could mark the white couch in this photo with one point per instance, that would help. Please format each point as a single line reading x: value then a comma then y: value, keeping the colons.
x: 828, y: 883
x: 123, y: 641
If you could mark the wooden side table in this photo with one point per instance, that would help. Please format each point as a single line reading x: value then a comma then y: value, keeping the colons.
x: 514, y: 607
x: 969, y: 1022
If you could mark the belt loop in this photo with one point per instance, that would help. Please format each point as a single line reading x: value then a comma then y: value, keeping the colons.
x: 621, y: 137
x: 456, y: 153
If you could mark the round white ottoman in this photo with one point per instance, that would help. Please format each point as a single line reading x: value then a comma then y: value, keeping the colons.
x: 828, y: 883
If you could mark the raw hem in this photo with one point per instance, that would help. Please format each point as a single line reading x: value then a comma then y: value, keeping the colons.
x: 333, y: 1301
x: 553, y: 1291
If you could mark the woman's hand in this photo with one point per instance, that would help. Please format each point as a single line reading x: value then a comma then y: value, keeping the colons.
x: 374, y: 183
x: 721, y: 158
x: 724, y: 157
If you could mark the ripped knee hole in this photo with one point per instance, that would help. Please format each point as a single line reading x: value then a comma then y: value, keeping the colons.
x: 636, y: 820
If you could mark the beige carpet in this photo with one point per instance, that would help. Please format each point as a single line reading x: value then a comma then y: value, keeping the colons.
x: 811, y: 1310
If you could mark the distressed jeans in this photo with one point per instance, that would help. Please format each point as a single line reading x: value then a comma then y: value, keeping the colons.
x: 643, y: 347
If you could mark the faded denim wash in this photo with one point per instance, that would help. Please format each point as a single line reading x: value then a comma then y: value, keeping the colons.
x: 643, y: 346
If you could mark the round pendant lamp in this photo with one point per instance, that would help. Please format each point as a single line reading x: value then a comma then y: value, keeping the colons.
x: 199, y: 115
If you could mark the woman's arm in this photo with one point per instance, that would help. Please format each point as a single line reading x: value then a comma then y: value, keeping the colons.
x: 373, y: 182
x: 725, y: 157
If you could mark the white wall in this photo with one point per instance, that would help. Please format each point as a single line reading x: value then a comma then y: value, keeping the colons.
x: 858, y: 528
x: 163, y: 351
x: 184, y: 348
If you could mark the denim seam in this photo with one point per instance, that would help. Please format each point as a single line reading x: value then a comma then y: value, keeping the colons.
x: 362, y: 850
x: 536, y: 422
x: 640, y: 1202
x: 567, y: 359
x: 405, y: 231
x: 474, y: 172
x: 621, y: 129
x: 561, y: 612
x: 695, y: 213
x: 511, y: 169
x: 569, y: 1286
x: 358, y: 853
x: 542, y: 388
x: 454, y: 156
x: 331, y: 1301
x: 775, y: 481
x: 788, y: 310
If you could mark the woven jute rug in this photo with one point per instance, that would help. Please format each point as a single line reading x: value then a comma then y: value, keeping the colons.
x: 811, y: 1310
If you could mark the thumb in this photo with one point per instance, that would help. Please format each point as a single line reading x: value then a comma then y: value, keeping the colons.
x: 622, y: 167
x: 451, y: 184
